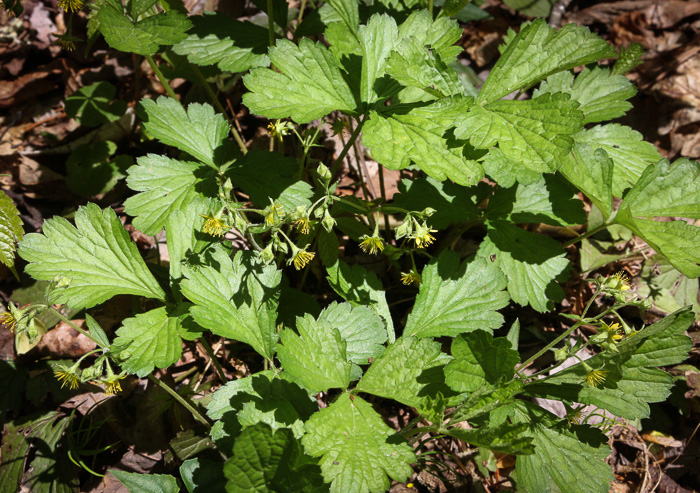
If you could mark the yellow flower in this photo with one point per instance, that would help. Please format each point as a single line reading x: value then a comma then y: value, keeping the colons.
x: 274, y: 214
x: 9, y: 321
x: 302, y: 258
x: 72, y: 5
x: 596, y: 378
x: 623, y: 281
x: 112, y: 385
x: 424, y: 240
x: 371, y: 244
x: 303, y: 225
x: 67, y: 378
x: 214, y: 226
x: 65, y: 41
x: 411, y: 277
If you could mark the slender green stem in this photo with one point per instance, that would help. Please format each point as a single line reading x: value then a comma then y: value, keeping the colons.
x: 348, y: 145
x: 162, y: 78
x: 181, y: 400
x: 211, y: 354
x: 301, y: 12
x: 82, y: 331
x: 430, y: 7
x: 382, y: 191
x: 270, y: 23
x: 219, y: 107
x: 584, y: 236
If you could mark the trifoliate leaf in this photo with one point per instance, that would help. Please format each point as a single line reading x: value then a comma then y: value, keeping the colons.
x: 630, y: 154
x: 360, y: 327
x: 166, y: 185
x: 377, y: 40
x: 539, y: 51
x: 233, y: 45
x: 531, y: 262
x: 307, y: 84
x: 407, y: 133
x: 440, y: 35
x: 479, y: 360
x: 505, y: 438
x: 456, y: 298
x: 536, y: 133
x: 95, y: 104
x: 267, y: 460
x: 410, y: 371
x: 591, y: 171
x: 602, y: 96
x: 360, y: 453
x: 144, y: 36
x: 317, y: 357
x: 264, y: 176
x: 235, y: 299
x: 260, y: 398
x: 505, y: 172
x: 152, y: 339
x: 95, y: 260
x: 198, y: 132
x: 667, y: 190
x: 359, y: 286
x: 631, y: 379
x: 452, y: 203
x: 551, y: 201
x: 11, y: 230
x: 146, y: 483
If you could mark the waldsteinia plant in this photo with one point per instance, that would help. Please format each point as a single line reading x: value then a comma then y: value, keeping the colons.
x: 390, y: 78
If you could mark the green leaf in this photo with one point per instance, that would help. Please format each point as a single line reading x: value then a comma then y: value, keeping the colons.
x: 591, y: 171
x: 667, y: 190
x: 198, y: 132
x: 440, y: 34
x: 97, y: 332
x: 531, y: 262
x: 550, y: 200
x: 96, y: 259
x: 361, y: 287
x: 359, y: 451
x: 628, y: 59
x: 410, y: 371
x: 505, y: 438
x: 11, y: 230
x: 630, y: 154
x: 50, y: 470
x: 232, y: 45
x: 265, y: 461
x: 486, y: 399
x: 632, y: 380
x: 91, y: 169
x: 360, y: 327
x: 480, y: 360
x: 669, y: 289
x: 506, y: 172
x: 235, y: 299
x: 146, y: 483
x: 317, y: 357
x: 202, y: 476
x: 264, y: 175
x: 166, y: 185
x: 456, y: 298
x: 407, y: 133
x: 260, y: 398
x: 377, y: 40
x: 307, y: 85
x: 144, y: 36
x: 536, y: 8
x: 602, y: 96
x: 535, y: 134
x: 539, y: 51
x: 152, y: 339
x: 453, y: 203
x: 182, y: 228
x: 95, y: 104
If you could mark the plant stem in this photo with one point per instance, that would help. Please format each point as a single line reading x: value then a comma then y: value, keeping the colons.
x: 82, y: 331
x: 382, y: 191
x: 430, y: 7
x: 584, y: 236
x: 181, y: 400
x: 270, y: 23
x: 219, y: 107
x: 348, y: 145
x: 162, y: 78
x: 301, y: 12
x: 211, y: 354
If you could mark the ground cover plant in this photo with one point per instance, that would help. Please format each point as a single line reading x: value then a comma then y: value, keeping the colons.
x: 257, y: 241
